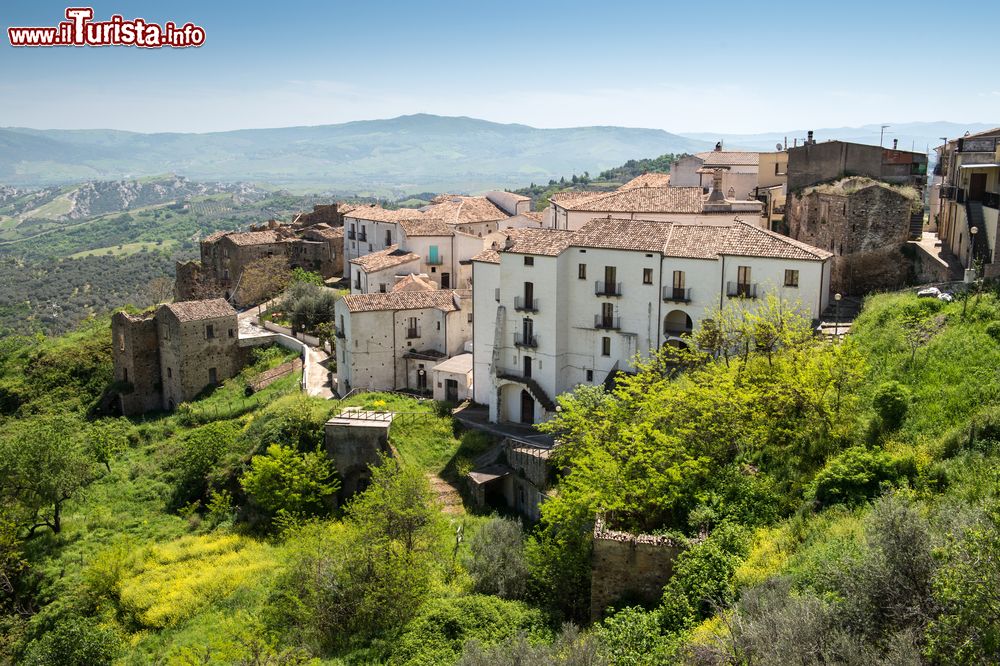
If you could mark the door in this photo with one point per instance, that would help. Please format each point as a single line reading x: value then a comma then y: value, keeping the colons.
x: 977, y: 186
x: 529, y: 295
x: 527, y: 408
x: 213, y: 376
x: 527, y: 367
x: 450, y: 390
x: 446, y: 280
x: 678, y: 285
x: 743, y: 281
x: 610, y: 276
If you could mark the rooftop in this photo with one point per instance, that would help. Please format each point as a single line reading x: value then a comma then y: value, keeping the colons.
x: 453, y: 209
x: 195, y: 310
x: 426, y: 227
x: 729, y: 158
x: 413, y: 282
x: 546, y: 242
x: 487, y: 257
x: 652, y: 179
x: 640, y: 200
x: 255, y: 237
x: 460, y: 364
x: 376, y: 213
x: 383, y: 259
x: 446, y: 300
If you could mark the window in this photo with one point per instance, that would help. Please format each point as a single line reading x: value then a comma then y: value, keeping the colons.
x: 581, y: 271
x: 470, y: 317
x: 170, y: 373
x: 647, y: 276
x: 210, y: 331
x: 388, y: 237
x: 213, y: 376
x: 590, y: 375
x: 381, y: 288
x: 439, y: 325
x: 605, y: 346
x: 743, y: 275
x: 529, y: 261
x: 232, y: 333
x: 125, y: 374
x: 791, y: 278
x: 121, y: 342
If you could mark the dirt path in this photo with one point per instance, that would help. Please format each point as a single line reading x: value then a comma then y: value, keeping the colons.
x: 447, y: 495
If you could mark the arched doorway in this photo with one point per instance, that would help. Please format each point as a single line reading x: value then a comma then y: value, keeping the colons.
x: 677, y: 323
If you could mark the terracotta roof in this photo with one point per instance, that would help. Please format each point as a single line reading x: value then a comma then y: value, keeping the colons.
x: 211, y: 238
x: 746, y: 240
x: 255, y: 237
x: 641, y: 200
x: 535, y: 215
x: 488, y: 257
x: 329, y: 233
x: 444, y: 300
x: 378, y: 214
x: 693, y: 241
x: 729, y: 157
x: 464, y: 210
x: 567, y: 196
x: 546, y: 242
x: 207, y: 309
x: 619, y: 234
x: 647, y: 180
x: 428, y: 227
x: 383, y: 259
x: 414, y: 282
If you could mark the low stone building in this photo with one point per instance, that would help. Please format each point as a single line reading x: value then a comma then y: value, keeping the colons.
x: 864, y: 223
x: 168, y: 356
x: 515, y: 476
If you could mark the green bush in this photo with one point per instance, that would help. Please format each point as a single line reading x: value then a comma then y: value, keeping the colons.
x: 993, y: 330
x: 497, y: 562
x: 438, y: 633
x: 74, y: 641
x: 891, y: 402
x: 201, y: 451
x: 856, y: 475
x: 286, y: 481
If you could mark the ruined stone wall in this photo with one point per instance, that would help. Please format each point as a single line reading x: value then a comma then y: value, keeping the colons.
x: 865, y: 229
x: 136, y: 362
x: 187, y: 355
x: 632, y: 567
x: 355, y: 445
x: 328, y: 213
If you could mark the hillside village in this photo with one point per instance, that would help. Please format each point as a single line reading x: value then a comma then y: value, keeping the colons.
x: 627, y: 395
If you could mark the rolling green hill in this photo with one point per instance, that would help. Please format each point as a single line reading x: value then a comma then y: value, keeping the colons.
x: 385, y: 157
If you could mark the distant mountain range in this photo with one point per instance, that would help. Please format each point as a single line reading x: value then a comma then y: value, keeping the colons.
x: 415, y: 153
x: 911, y: 136
x: 388, y: 158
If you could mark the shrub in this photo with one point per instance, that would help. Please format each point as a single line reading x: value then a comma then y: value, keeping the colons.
x: 570, y: 648
x: 993, y: 330
x: 201, y: 451
x: 285, y: 481
x: 632, y: 637
x: 891, y: 402
x: 497, y: 562
x: 74, y: 641
x: 854, y: 476
x: 438, y: 633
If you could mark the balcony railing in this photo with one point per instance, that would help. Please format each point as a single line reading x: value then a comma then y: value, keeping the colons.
x: 351, y: 235
x: 607, y: 323
x: 741, y: 290
x: 525, y: 340
x: 362, y: 237
x: 412, y: 333
x: 949, y: 192
x: 608, y: 288
x: 677, y: 294
x: 435, y: 261
x: 991, y: 200
x: 522, y: 304
x: 340, y: 334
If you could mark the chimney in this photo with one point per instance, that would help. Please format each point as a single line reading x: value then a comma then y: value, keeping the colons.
x: 508, y: 243
x: 809, y: 138
x: 717, y: 194
x: 718, y: 146
x: 895, y: 142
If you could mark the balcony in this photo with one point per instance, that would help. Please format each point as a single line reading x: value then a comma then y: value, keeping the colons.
x: 362, y: 237
x: 522, y: 304
x: 412, y: 333
x: 607, y: 323
x: 991, y: 200
x: 351, y: 235
x: 607, y: 288
x: 340, y: 334
x: 741, y: 290
x: 525, y: 340
x: 435, y: 261
x: 677, y: 294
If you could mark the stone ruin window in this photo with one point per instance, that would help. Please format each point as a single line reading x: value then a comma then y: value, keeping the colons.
x: 210, y: 331
x: 121, y: 343
x: 232, y: 333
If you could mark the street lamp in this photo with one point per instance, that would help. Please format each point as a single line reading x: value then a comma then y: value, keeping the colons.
x: 972, y: 241
x: 836, y: 316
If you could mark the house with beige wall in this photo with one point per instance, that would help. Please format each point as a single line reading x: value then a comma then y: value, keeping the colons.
x: 559, y: 308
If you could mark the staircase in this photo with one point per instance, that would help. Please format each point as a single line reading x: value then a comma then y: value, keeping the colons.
x: 974, y: 216
x: 916, y: 225
x: 534, y: 388
x: 836, y: 321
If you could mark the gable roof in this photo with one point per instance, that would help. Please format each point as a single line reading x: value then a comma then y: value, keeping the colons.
x: 622, y: 234
x: 640, y: 200
x: 746, y: 240
x: 376, y: 213
x: 487, y: 257
x: 426, y: 227
x: 729, y: 157
x: 452, y: 209
x: 383, y: 259
x: 445, y: 300
x: 651, y: 179
x: 545, y: 242
x: 207, y: 309
x: 255, y: 237
x: 413, y: 282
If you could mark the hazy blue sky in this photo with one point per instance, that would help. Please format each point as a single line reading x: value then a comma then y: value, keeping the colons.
x: 691, y: 66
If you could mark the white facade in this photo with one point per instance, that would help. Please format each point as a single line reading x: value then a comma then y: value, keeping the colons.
x: 393, y: 341
x: 576, y: 313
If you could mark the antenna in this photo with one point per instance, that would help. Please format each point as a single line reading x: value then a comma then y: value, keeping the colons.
x: 881, y: 132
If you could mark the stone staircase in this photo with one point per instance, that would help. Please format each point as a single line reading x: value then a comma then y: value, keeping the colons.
x: 836, y: 321
x: 974, y: 215
x: 916, y: 225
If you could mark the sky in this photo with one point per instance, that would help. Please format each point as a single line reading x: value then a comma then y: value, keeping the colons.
x: 709, y: 66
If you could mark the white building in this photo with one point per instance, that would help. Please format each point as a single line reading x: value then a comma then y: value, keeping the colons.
x: 379, y: 271
x: 561, y: 308
x: 638, y: 200
x: 392, y: 341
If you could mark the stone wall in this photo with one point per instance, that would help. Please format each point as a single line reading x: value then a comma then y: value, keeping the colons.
x: 628, y: 567
x: 187, y: 355
x: 355, y: 444
x: 136, y: 361
x: 864, y: 224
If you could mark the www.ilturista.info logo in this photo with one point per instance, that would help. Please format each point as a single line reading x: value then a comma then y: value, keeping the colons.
x: 80, y: 30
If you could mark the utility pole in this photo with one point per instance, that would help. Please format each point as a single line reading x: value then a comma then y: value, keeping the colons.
x: 881, y: 133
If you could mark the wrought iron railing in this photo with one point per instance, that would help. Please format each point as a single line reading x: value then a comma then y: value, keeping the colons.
x: 677, y: 294
x: 741, y: 290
